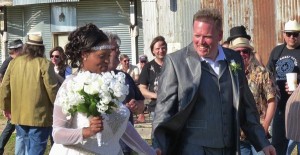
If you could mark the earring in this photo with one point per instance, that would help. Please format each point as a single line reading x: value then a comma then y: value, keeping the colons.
x: 84, y: 59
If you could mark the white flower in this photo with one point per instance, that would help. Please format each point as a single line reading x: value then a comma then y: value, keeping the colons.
x: 234, y: 66
x: 105, y: 89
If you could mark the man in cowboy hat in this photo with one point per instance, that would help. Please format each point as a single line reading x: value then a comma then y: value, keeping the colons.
x: 240, y: 31
x: 284, y: 59
x: 15, y: 49
x: 27, y: 94
x: 262, y: 87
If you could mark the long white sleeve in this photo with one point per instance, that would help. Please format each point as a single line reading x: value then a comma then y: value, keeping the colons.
x: 62, y: 133
x: 132, y: 138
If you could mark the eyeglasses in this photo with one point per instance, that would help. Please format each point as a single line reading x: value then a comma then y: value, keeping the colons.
x: 294, y: 34
x: 125, y: 60
x: 55, y: 56
x: 245, y: 51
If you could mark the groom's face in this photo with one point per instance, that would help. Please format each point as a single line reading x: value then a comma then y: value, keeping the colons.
x: 206, y: 38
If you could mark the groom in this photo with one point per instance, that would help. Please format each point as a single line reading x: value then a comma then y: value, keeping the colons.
x: 202, y: 102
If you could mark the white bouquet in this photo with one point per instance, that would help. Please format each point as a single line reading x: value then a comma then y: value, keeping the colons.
x: 94, y: 94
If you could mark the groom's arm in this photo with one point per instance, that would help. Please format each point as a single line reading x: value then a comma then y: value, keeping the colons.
x: 167, y: 103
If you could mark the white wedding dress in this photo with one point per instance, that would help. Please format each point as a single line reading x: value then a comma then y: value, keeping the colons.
x: 67, y: 133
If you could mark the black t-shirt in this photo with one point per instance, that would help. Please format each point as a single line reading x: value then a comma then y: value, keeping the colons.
x: 283, y: 60
x: 149, y: 77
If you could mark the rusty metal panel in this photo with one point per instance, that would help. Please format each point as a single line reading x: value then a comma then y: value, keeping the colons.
x: 264, y: 28
x: 236, y: 13
x: 218, y: 4
x: 28, y: 2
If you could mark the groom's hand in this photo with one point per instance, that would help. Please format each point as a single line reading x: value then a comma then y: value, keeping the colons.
x: 158, y: 151
x: 269, y: 150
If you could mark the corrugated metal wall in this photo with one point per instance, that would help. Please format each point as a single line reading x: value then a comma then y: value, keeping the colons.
x: 264, y: 20
x: 110, y: 16
x: 264, y: 28
x: 14, y: 24
x: 150, y: 22
x: 37, y: 19
x: 171, y: 19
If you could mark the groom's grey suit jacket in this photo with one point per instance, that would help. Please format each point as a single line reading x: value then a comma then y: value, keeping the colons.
x: 178, y: 88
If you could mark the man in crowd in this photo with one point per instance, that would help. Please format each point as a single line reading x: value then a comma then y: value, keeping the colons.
x: 134, y: 100
x: 203, y: 97
x: 284, y: 59
x: 15, y: 49
x: 262, y: 87
x: 27, y: 92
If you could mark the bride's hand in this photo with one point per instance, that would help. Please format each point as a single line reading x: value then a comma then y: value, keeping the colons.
x: 96, y: 125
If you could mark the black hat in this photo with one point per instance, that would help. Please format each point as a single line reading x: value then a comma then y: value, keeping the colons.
x: 238, y: 31
x: 15, y: 44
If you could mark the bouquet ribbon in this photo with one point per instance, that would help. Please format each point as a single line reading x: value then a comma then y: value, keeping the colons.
x: 99, y: 134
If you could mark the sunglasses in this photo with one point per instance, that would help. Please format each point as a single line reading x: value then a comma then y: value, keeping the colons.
x: 245, y: 51
x: 55, y: 56
x: 294, y: 34
x: 125, y: 60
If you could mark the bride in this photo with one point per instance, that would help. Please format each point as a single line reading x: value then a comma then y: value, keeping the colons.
x: 76, y: 135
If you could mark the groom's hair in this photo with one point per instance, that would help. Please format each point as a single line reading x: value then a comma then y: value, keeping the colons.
x: 209, y: 14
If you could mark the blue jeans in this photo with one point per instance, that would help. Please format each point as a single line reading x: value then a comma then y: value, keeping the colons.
x: 291, y: 146
x: 248, y: 149
x: 6, y: 133
x: 279, y: 140
x: 31, y: 140
x: 245, y: 148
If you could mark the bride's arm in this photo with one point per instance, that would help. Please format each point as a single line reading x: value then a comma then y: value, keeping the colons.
x: 132, y: 138
x: 61, y: 133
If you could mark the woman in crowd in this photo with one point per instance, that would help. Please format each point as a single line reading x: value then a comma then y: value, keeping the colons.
x: 59, y: 60
x: 88, y: 48
x: 126, y: 67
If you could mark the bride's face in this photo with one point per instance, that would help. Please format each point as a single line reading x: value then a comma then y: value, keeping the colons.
x: 97, y: 61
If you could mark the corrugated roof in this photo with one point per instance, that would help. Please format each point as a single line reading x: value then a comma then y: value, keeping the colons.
x: 27, y: 2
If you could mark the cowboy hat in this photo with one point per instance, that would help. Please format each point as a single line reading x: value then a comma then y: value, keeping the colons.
x: 238, y: 31
x: 35, y: 40
x: 239, y: 43
x: 292, y: 26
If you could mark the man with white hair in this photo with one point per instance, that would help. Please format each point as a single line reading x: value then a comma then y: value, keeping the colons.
x: 284, y: 59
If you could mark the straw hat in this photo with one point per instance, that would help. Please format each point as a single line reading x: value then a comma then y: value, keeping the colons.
x: 35, y: 40
x: 292, y: 26
x: 240, y: 43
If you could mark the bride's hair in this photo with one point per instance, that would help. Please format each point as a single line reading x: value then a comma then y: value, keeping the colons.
x: 83, y: 39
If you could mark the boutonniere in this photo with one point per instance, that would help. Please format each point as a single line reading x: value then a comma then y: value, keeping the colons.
x: 235, y: 67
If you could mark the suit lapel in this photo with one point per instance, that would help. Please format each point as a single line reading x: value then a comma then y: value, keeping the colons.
x: 234, y: 80
x: 194, y: 64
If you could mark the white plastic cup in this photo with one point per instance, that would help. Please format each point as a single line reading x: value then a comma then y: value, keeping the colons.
x: 291, y: 79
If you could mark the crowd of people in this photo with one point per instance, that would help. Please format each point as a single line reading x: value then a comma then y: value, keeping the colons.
x: 206, y: 98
